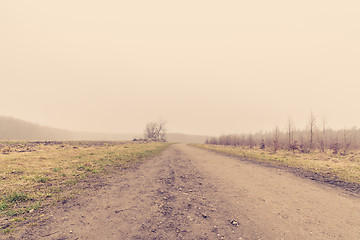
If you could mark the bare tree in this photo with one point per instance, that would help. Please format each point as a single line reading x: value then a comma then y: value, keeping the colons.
x: 155, y: 131
x: 161, y: 131
x: 291, y: 133
x: 150, y: 131
x: 346, y: 142
x: 322, y: 139
x: 251, y: 141
x: 276, y: 139
x: 312, y: 129
x: 294, y: 146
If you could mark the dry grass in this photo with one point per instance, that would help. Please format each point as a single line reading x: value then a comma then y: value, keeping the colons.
x: 34, y: 173
x: 339, y: 168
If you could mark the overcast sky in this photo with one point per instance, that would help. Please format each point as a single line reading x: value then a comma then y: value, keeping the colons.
x: 206, y: 67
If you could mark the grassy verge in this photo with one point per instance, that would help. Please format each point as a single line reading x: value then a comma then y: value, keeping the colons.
x: 38, y: 173
x: 343, y: 171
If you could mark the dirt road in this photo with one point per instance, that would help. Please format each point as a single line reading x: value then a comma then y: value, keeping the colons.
x: 190, y: 193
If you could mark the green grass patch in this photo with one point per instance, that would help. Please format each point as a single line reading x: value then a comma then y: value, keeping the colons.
x: 48, y: 172
x: 16, y: 197
x: 8, y: 230
x: 3, y: 206
x: 41, y: 179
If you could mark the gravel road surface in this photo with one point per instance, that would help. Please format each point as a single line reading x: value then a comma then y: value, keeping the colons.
x: 190, y: 193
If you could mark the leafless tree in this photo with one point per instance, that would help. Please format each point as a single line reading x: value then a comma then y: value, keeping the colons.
x: 294, y: 146
x: 161, y: 131
x: 250, y: 140
x: 155, y: 131
x: 322, y: 137
x: 150, y: 131
x: 276, y: 139
x: 312, y: 129
x: 335, y: 147
x: 346, y: 143
x: 291, y: 133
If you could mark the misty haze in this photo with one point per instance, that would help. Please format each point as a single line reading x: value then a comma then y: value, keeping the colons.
x: 179, y: 119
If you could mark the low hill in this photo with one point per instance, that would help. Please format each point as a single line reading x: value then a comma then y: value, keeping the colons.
x: 17, y: 129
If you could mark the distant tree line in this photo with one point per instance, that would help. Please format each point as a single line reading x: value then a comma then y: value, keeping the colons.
x: 315, y: 136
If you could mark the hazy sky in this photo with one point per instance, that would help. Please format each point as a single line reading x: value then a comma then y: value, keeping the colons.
x: 206, y: 67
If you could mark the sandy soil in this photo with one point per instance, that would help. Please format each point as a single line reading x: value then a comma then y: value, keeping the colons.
x: 190, y: 193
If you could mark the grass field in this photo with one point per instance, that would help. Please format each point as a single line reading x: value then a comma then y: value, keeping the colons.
x: 334, y: 169
x: 36, y: 173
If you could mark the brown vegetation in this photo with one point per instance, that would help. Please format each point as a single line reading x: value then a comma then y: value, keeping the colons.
x: 35, y: 174
x: 327, y: 155
x: 309, y: 139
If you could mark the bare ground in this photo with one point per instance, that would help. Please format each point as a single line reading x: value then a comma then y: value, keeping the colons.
x: 190, y: 193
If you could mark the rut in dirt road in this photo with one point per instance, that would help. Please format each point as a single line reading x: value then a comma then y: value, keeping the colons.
x: 190, y: 193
